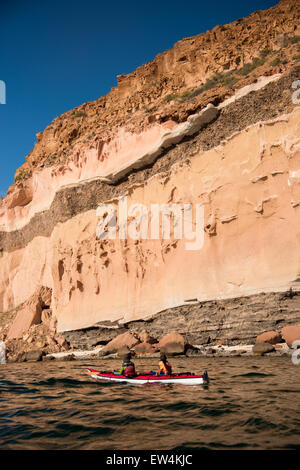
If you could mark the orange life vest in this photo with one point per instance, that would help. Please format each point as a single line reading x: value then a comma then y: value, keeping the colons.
x: 165, y: 368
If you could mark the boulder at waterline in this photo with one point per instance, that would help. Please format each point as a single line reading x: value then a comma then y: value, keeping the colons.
x: 291, y: 334
x: 145, y: 348
x: 262, y: 348
x: 271, y: 337
x: 172, y: 344
x: 124, y: 340
x: 147, y: 338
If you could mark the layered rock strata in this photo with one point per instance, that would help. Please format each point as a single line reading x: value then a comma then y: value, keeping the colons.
x: 229, y: 321
x: 248, y: 186
x: 170, y: 86
x: 231, y: 152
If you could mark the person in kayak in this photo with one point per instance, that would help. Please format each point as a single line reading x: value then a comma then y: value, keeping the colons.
x: 164, y: 367
x: 127, y: 368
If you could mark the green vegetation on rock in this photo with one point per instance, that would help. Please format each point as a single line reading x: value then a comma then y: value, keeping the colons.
x: 275, y: 62
x: 23, y: 174
x: 249, y: 67
x: 171, y: 97
x: 294, y: 39
x: 80, y: 114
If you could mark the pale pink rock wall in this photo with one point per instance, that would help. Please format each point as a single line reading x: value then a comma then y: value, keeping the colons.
x: 84, y: 164
x: 108, y: 162
x: 250, y: 188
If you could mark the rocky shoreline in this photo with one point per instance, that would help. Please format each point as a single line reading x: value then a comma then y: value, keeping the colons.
x: 265, y: 323
x: 242, y: 350
x: 217, y: 351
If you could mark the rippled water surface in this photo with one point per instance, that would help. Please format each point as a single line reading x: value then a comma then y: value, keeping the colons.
x: 250, y: 403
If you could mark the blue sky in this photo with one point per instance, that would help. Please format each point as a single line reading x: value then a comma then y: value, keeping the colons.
x: 55, y: 55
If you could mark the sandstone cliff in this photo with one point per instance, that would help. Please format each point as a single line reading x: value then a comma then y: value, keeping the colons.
x: 210, y: 122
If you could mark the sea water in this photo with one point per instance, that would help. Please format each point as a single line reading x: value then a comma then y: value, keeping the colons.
x: 250, y: 403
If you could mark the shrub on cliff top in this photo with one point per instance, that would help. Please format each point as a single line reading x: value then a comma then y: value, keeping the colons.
x: 230, y: 81
x: 171, y: 97
x: 263, y: 54
x: 186, y: 94
x: 226, y: 78
x: 275, y: 62
x: 247, y: 68
x: 80, y: 114
x: 23, y: 174
x: 294, y: 39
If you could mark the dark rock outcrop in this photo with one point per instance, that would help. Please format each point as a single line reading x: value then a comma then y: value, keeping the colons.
x: 231, y: 321
x: 89, y: 338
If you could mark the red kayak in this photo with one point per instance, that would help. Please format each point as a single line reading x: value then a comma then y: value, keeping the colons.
x: 147, y: 378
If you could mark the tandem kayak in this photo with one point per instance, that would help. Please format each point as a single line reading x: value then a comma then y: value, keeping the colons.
x: 148, y: 378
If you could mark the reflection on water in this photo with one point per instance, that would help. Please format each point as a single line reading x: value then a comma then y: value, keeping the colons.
x: 250, y: 403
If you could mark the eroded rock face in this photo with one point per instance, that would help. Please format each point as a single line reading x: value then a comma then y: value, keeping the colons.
x: 225, y: 321
x: 151, y: 92
x: 226, y: 187
x: 21, y: 196
x: 26, y: 317
x: 91, y: 337
x: 252, y: 168
x: 31, y: 313
x: 241, y: 166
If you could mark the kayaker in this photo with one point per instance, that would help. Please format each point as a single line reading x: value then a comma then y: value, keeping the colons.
x: 127, y: 368
x: 164, y: 366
